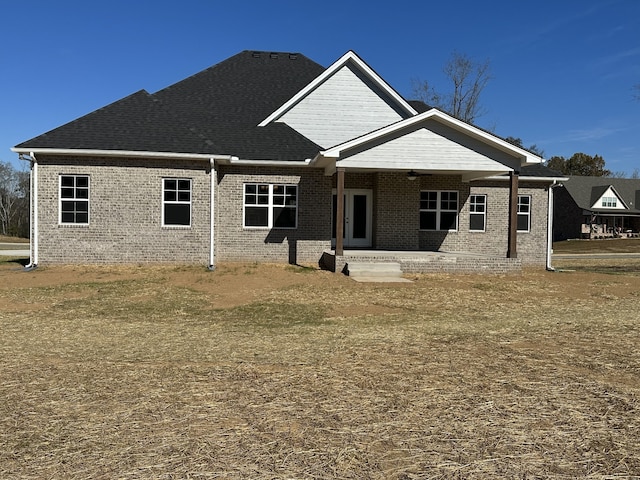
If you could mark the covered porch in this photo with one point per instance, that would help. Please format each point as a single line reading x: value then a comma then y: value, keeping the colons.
x: 403, y: 194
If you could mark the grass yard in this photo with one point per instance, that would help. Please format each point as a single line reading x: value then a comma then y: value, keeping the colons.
x: 611, y: 245
x: 4, y: 238
x: 279, y: 372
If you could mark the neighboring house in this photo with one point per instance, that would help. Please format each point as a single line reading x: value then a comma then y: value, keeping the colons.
x: 597, y: 207
x: 272, y: 157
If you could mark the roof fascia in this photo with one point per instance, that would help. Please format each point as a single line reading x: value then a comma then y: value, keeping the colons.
x: 528, y: 157
x: 219, y: 159
x: 528, y: 178
x: 120, y: 153
x: 265, y: 163
x: 342, y: 61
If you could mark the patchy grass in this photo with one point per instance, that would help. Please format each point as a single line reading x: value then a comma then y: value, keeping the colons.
x: 265, y: 372
x: 6, y: 239
x: 612, y: 245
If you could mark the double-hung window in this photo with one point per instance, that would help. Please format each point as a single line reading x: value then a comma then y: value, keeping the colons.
x: 176, y: 202
x: 477, y: 213
x: 270, y: 205
x: 439, y: 210
x: 524, y: 213
x: 74, y: 199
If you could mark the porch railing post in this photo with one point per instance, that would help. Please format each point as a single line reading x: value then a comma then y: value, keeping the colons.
x: 340, y: 211
x: 512, y: 249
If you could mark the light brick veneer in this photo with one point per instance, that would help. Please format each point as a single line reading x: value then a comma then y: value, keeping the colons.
x: 125, y: 210
x: 304, y: 244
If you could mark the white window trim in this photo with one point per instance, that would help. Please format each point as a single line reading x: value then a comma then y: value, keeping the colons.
x: 87, y: 200
x: 439, y: 210
x: 484, y: 213
x: 527, y: 214
x: 177, y: 202
x: 269, y: 206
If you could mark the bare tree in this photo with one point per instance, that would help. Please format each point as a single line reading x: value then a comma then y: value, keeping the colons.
x: 14, y: 201
x: 469, y: 78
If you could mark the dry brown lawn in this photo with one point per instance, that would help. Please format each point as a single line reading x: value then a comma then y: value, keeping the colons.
x: 279, y: 372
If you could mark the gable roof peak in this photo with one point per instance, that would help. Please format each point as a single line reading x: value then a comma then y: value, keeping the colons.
x: 349, y: 57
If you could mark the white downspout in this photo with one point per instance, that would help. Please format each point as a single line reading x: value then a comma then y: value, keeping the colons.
x: 550, y: 226
x: 212, y: 204
x: 33, y: 210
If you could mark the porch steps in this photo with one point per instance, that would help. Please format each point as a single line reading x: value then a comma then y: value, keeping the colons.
x: 375, y: 272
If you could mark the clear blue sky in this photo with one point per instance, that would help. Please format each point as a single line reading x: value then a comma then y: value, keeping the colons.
x: 563, y: 70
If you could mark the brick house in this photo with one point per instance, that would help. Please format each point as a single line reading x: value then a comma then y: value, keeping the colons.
x: 272, y: 157
x: 597, y: 207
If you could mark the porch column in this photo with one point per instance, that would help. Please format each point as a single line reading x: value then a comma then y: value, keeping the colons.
x: 513, y: 215
x: 340, y: 211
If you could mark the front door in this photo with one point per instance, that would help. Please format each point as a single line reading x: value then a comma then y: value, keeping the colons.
x: 357, y: 217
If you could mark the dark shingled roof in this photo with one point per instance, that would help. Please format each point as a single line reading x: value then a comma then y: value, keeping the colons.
x: 136, y: 122
x: 540, y: 170
x: 215, y: 111
x: 585, y: 191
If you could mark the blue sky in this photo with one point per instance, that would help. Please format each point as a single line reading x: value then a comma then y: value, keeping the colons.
x: 563, y: 70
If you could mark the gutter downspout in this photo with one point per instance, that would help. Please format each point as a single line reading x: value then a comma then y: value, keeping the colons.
x: 550, y: 226
x: 212, y: 204
x: 33, y: 210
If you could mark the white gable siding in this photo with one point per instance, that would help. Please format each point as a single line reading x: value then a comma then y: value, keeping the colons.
x: 422, y: 150
x: 606, y: 199
x: 345, y: 106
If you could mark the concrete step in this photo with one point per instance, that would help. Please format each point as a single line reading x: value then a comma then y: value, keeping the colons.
x: 372, y: 270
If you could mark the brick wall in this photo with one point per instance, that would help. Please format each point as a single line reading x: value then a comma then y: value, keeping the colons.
x: 304, y: 244
x: 126, y: 206
x: 531, y: 246
x: 125, y: 210
x: 396, y: 226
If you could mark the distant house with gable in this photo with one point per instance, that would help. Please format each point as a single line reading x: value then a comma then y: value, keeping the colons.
x: 271, y: 157
x: 597, y: 207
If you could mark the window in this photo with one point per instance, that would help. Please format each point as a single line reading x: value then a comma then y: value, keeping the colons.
x: 176, y: 202
x: 477, y: 212
x: 271, y: 206
x: 438, y: 210
x: 524, y: 213
x: 74, y: 199
x: 611, y: 202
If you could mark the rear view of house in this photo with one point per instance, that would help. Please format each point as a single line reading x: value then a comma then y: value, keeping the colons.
x: 271, y: 157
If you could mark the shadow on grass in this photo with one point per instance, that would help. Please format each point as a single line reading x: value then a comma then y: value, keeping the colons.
x: 18, y: 261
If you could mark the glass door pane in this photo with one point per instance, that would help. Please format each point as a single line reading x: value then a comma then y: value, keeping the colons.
x: 359, y: 216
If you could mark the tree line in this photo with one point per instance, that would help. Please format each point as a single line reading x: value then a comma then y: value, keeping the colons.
x: 14, y: 201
